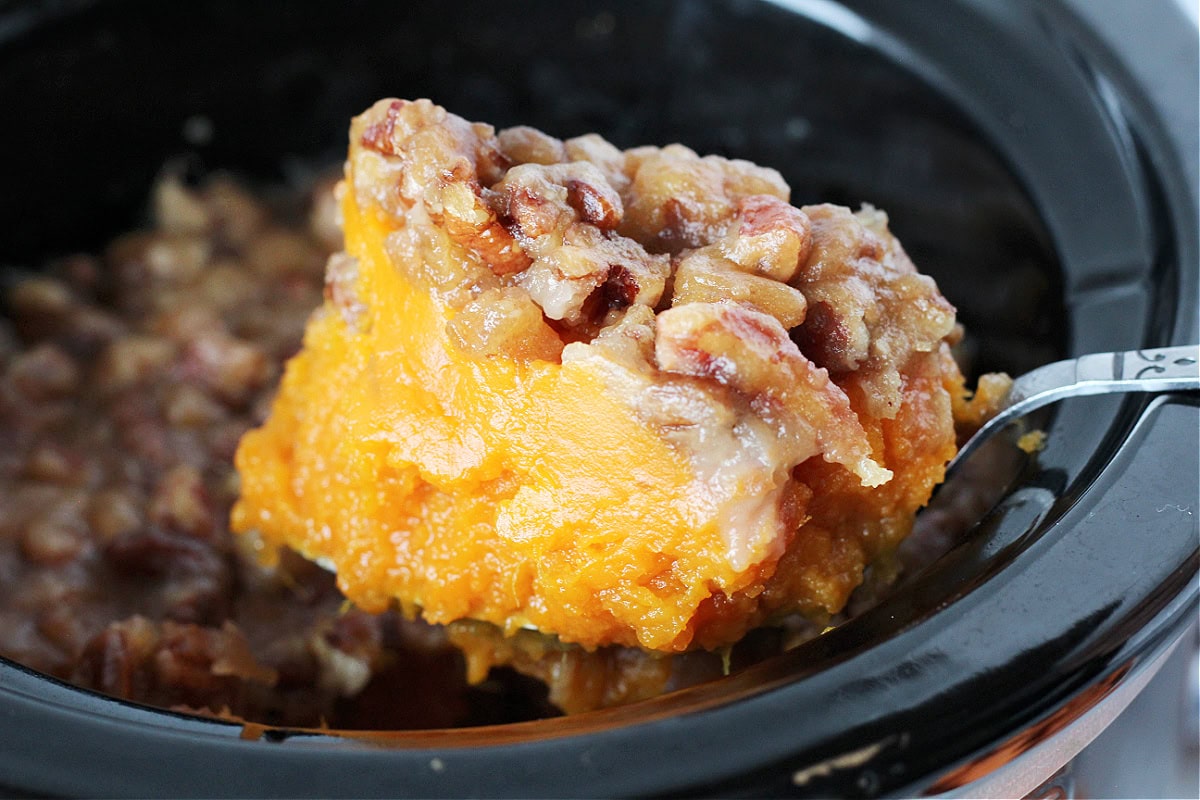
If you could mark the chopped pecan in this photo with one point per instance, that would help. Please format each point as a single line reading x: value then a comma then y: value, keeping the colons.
x: 751, y: 353
x: 772, y: 239
x: 703, y: 276
x: 181, y: 503
x: 525, y: 145
x: 678, y: 200
x: 869, y: 309
x: 378, y: 134
x: 596, y: 150
x: 594, y: 204
x: 459, y: 208
x: 542, y: 200
x: 566, y: 275
x: 409, y: 148
x: 44, y: 373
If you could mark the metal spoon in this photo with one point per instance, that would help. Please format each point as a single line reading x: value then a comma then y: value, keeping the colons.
x: 1162, y: 369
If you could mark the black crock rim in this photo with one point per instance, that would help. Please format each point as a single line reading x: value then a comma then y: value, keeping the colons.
x: 61, y: 739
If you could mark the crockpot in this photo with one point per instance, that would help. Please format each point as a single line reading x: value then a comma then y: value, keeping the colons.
x: 1037, y: 157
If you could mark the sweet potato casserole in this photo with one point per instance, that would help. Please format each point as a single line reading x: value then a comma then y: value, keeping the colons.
x: 584, y: 413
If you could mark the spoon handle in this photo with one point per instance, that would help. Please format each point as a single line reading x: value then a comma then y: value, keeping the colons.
x: 1161, y: 369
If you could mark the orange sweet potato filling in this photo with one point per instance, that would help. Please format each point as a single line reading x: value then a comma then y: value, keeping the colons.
x: 526, y: 401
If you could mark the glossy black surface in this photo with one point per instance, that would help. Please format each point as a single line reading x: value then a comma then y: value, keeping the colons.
x: 1022, y: 164
x: 736, y: 78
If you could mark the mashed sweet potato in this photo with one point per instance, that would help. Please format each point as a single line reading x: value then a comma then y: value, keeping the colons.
x: 624, y: 398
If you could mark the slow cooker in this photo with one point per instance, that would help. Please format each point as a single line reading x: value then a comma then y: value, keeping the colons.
x: 1037, y: 157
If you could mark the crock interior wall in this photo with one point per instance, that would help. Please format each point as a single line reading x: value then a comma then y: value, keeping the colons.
x: 103, y: 95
